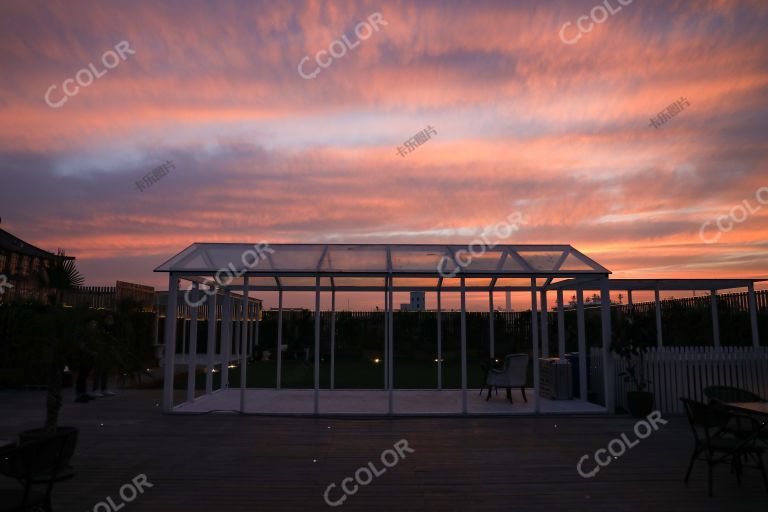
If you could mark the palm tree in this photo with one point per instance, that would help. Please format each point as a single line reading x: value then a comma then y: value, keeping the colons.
x: 60, y: 276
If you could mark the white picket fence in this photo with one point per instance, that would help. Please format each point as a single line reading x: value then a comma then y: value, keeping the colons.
x: 675, y: 372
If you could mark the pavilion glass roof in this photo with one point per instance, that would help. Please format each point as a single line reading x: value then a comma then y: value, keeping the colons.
x: 383, y: 259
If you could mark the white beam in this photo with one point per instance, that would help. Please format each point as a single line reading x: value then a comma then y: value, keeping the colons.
x: 243, y: 345
x: 560, y: 325
x: 463, y: 348
x: 535, y: 345
x: 544, y: 324
x: 492, y: 340
x: 333, y: 339
x: 715, y: 318
x: 211, y: 342
x: 439, y: 341
x: 226, y: 338
x: 279, y: 347
x: 317, y: 345
x: 391, y: 354
x: 608, y: 374
x: 581, y: 328
x: 659, y: 334
x: 169, y: 355
x: 192, y: 366
x: 256, y: 328
x: 385, y: 353
x: 753, y: 314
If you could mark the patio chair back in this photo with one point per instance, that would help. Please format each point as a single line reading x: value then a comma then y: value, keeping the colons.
x: 705, y: 420
x: 38, y: 461
x: 515, y: 369
x: 730, y: 394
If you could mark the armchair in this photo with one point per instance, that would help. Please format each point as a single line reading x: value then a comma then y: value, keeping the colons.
x: 513, y: 375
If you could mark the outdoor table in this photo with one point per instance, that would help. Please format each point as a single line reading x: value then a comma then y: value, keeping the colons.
x: 760, y: 408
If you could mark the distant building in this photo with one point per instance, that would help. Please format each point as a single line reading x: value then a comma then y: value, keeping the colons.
x: 417, y: 302
x: 20, y: 266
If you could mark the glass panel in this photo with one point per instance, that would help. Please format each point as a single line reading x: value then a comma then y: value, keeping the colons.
x: 297, y: 258
x: 514, y: 281
x: 420, y: 259
x: 176, y: 262
x: 303, y: 281
x: 360, y: 281
x: 478, y: 281
x: 480, y: 261
x: 356, y: 258
x: 574, y: 263
x: 261, y: 281
x: 543, y: 261
x: 416, y: 282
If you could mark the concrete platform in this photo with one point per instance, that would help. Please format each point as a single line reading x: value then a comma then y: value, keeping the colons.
x: 375, y: 403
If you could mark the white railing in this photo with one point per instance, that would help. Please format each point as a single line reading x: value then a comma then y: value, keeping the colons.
x: 675, y: 372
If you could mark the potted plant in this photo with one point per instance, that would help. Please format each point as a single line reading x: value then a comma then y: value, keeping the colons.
x: 47, y: 335
x: 631, y: 342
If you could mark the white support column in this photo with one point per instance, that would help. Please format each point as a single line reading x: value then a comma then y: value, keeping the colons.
x: 238, y: 306
x: 333, y: 339
x: 535, y: 345
x: 544, y: 316
x: 581, y: 328
x: 244, y: 345
x: 317, y: 344
x: 183, y: 330
x: 439, y: 342
x: 509, y: 300
x: 463, y: 347
x: 753, y: 314
x: 211, y: 342
x: 169, y: 355
x: 254, y: 325
x: 192, y: 362
x: 226, y: 337
x: 715, y: 318
x: 659, y: 334
x: 256, y: 322
x: 560, y: 325
x: 490, y: 325
x: 385, y: 353
x: 279, y: 346
x: 629, y: 299
x: 608, y: 373
x: 391, y: 353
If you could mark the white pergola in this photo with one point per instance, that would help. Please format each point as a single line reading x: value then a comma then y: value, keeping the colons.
x: 712, y: 286
x: 384, y: 268
x: 389, y: 268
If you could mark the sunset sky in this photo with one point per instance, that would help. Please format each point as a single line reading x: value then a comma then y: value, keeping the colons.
x: 525, y: 123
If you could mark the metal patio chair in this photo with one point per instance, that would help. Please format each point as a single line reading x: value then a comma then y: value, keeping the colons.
x: 34, y: 462
x: 714, y: 445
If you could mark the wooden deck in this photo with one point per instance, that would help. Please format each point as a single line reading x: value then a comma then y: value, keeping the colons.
x: 229, y: 462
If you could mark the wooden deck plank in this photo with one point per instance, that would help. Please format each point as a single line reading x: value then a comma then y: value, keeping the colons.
x: 232, y: 462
